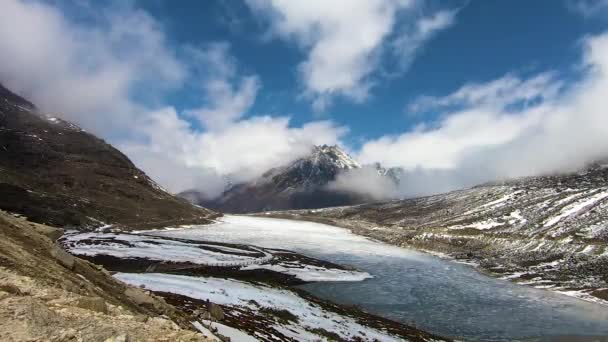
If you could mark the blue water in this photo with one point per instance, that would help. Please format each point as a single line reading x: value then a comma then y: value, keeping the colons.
x: 438, y: 295
x: 455, y: 300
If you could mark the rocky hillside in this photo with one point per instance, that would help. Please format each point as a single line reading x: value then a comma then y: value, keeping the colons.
x: 55, y: 173
x: 545, y: 231
x: 49, y: 295
x: 300, y: 185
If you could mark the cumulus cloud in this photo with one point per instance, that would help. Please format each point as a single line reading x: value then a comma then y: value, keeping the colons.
x: 505, y: 128
x: 228, y: 95
x: 110, y: 75
x: 344, y: 41
x: 103, y: 73
x: 84, y: 72
x: 231, y: 147
x: 243, y: 150
x: 501, y: 93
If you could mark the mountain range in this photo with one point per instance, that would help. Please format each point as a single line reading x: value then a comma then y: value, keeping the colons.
x: 301, y: 184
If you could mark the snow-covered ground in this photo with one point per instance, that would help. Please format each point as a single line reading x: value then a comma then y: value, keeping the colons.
x: 129, y: 246
x: 289, y: 234
x: 236, y: 293
x: 159, y: 249
x: 413, y: 286
x: 574, y: 208
x: 206, y: 332
x: 481, y: 225
x: 311, y: 272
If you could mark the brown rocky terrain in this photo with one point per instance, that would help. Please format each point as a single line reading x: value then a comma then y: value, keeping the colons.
x: 49, y: 295
x: 53, y: 172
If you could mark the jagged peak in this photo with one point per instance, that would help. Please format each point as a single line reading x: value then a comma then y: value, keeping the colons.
x: 335, y: 154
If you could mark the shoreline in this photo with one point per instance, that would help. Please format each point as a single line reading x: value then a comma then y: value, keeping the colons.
x: 585, y: 294
x: 270, y: 279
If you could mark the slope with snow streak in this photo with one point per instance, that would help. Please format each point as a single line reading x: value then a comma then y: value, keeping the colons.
x: 549, y: 231
x: 255, y: 297
x: 574, y: 208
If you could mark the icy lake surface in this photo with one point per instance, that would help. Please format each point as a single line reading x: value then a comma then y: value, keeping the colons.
x: 438, y: 295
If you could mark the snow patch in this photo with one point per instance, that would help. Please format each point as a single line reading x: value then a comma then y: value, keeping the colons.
x: 234, y: 334
x: 242, y: 294
x: 154, y: 248
x: 573, y: 209
x: 481, y: 225
x: 312, y: 273
x: 206, y: 332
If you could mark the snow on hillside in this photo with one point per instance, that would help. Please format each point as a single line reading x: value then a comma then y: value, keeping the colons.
x: 132, y: 246
x: 310, y: 316
x: 340, y: 158
x: 548, y: 231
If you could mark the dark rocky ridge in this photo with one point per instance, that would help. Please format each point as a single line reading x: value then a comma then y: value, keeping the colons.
x: 301, y: 184
x: 55, y: 173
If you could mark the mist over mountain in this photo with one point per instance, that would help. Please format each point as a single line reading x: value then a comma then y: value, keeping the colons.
x: 326, y: 177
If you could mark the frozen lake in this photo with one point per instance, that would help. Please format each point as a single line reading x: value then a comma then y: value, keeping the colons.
x: 438, y: 295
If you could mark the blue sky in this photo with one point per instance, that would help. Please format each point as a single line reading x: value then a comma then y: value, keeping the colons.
x: 487, y: 40
x: 455, y: 93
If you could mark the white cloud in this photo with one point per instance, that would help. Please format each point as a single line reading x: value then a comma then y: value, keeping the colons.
x: 506, y: 128
x: 226, y: 102
x: 414, y: 36
x: 86, y: 73
x: 231, y: 146
x: 344, y: 40
x: 500, y: 93
x: 365, y: 181
x: 589, y: 8
x: 95, y: 74
x: 242, y: 150
x: 509, y: 127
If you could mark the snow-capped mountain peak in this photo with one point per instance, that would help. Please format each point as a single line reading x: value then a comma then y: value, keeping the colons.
x: 335, y: 155
x: 318, y: 168
x: 299, y: 184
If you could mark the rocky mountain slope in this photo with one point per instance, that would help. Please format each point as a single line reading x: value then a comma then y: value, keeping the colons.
x: 49, y: 295
x: 300, y: 185
x: 53, y: 172
x: 547, y: 231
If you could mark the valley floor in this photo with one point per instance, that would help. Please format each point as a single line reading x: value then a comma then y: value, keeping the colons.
x: 238, y: 291
x: 433, y: 294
